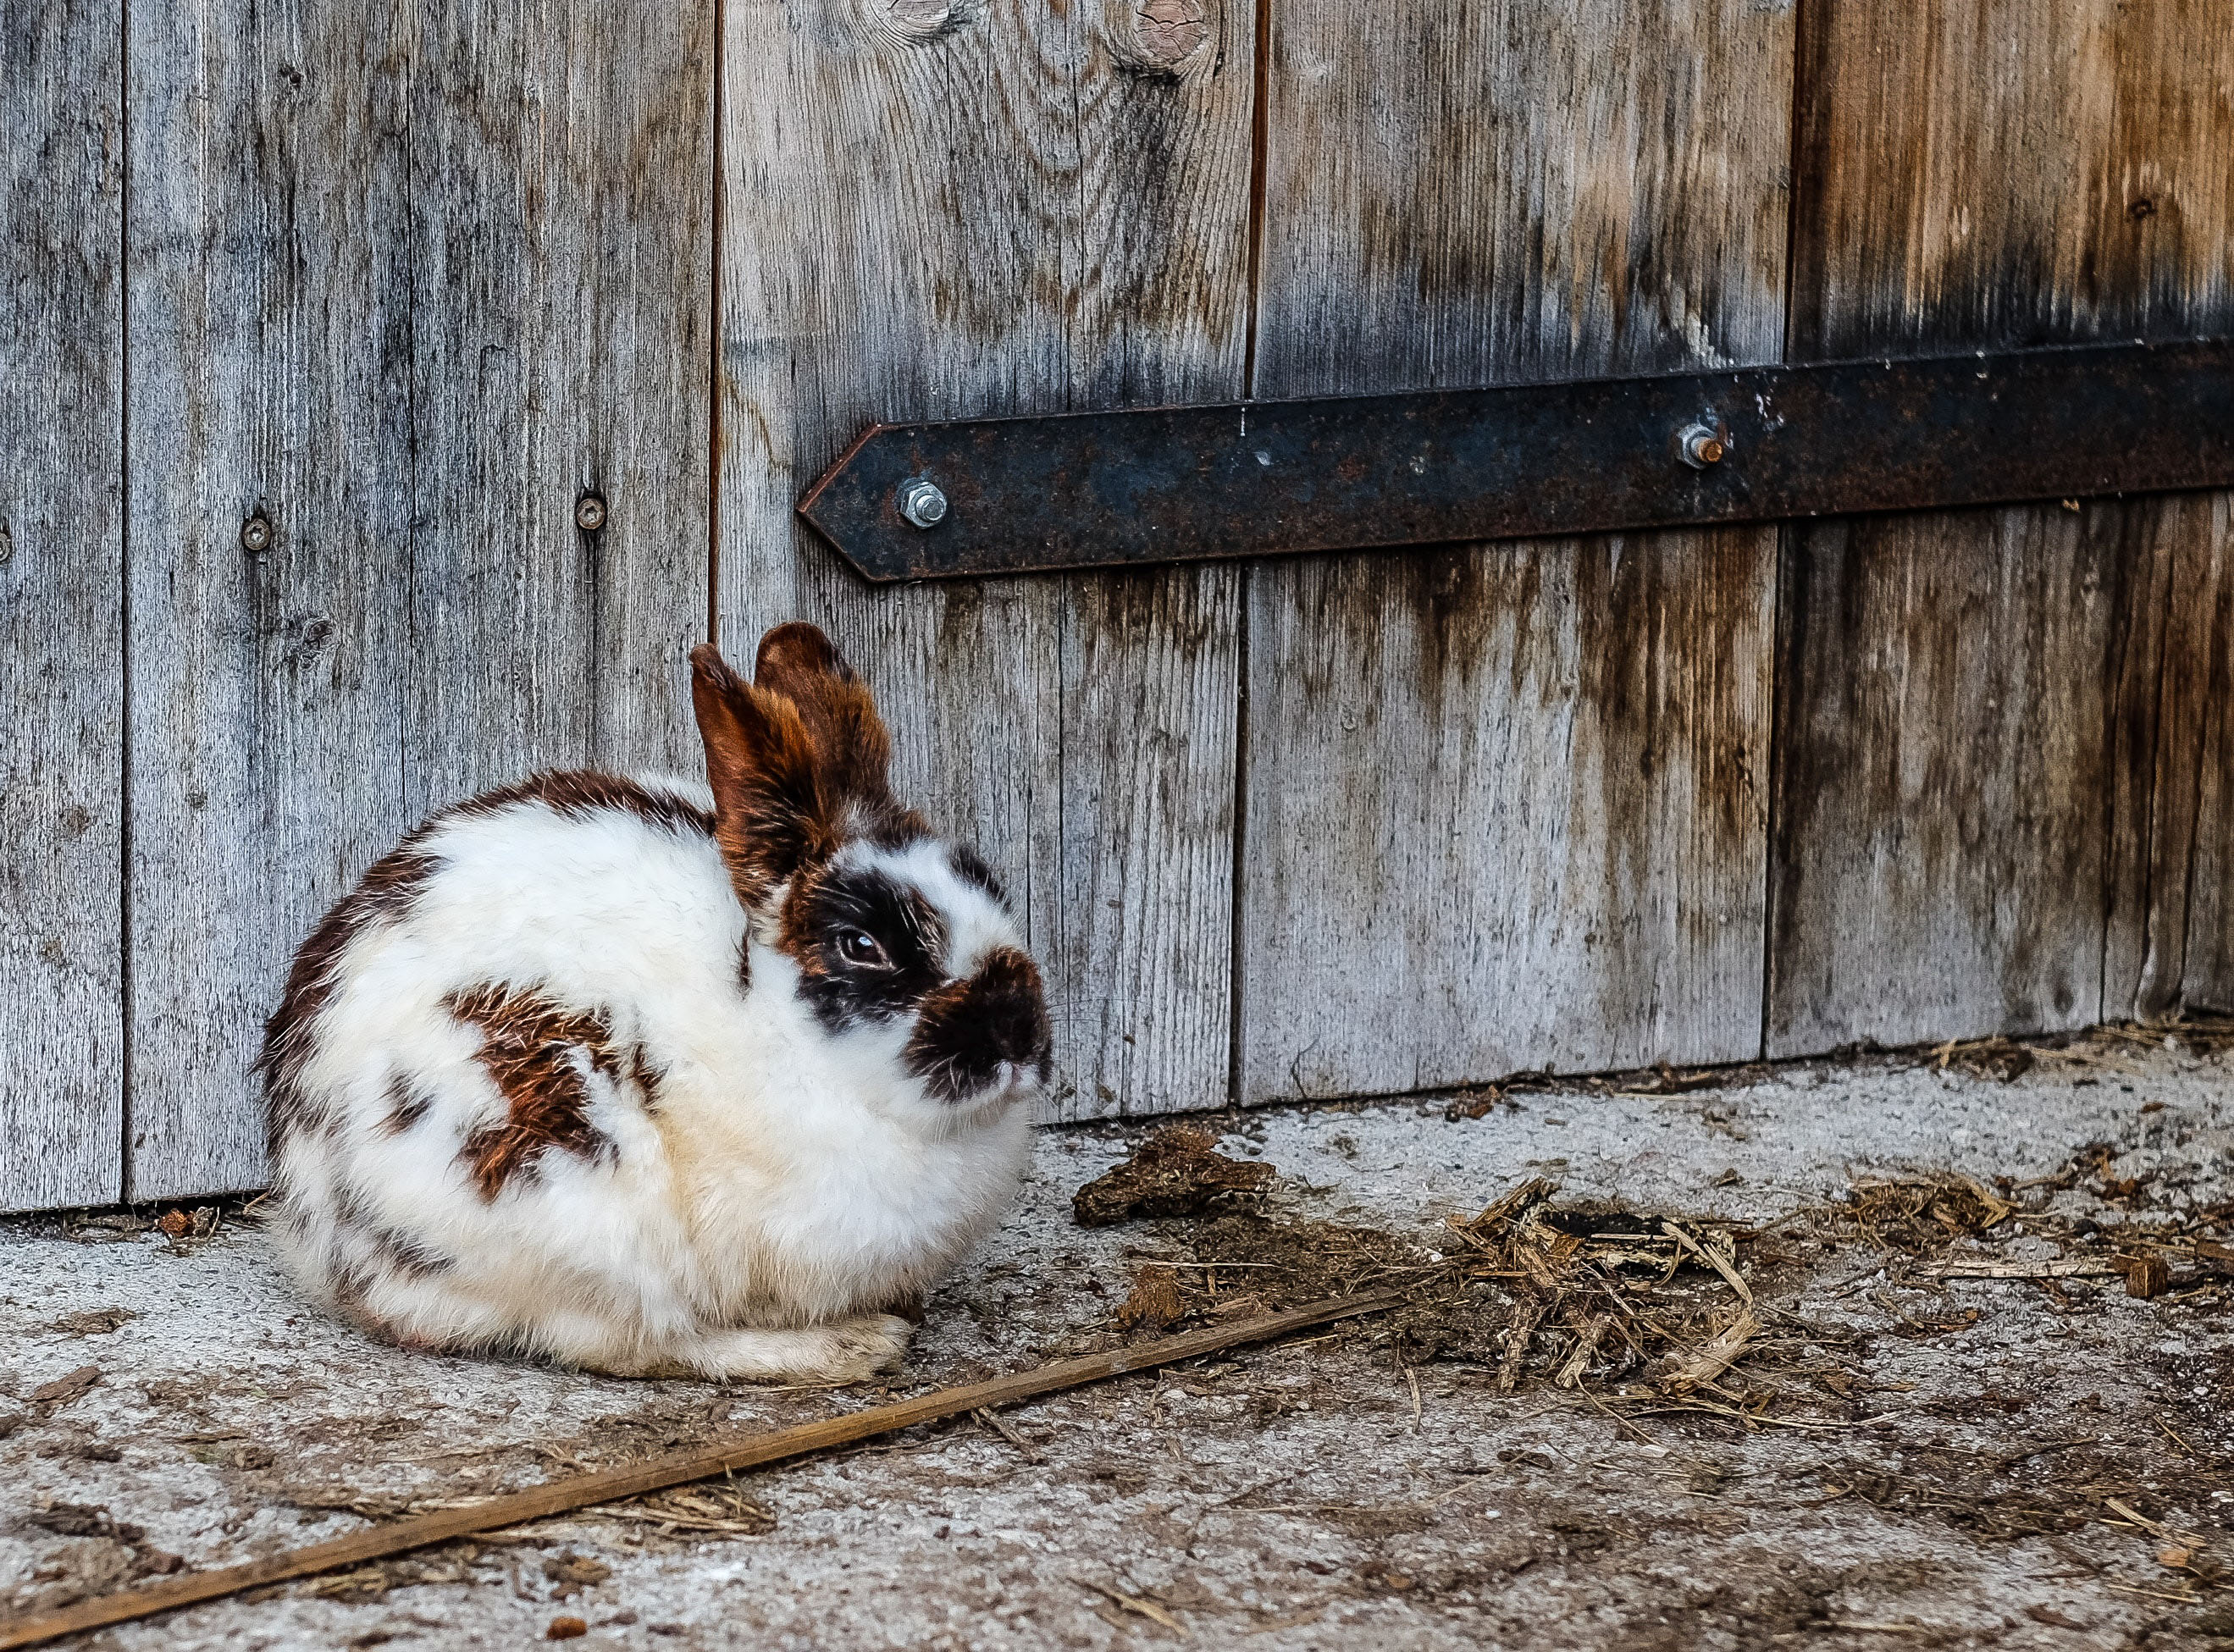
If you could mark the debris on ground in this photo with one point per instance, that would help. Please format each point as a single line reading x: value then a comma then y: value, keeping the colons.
x: 1587, y: 1292
x: 715, y: 1506
x: 1886, y: 1350
x: 1177, y: 1172
x: 1917, y: 1214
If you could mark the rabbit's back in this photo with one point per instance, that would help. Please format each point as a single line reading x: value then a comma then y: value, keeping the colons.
x: 466, y: 1071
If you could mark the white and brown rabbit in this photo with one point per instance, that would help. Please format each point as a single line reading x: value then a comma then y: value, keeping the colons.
x: 661, y: 1080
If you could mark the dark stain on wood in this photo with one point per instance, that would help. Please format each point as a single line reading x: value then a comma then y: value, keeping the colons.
x: 1979, y: 821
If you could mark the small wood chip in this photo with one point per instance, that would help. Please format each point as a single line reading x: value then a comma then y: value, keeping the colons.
x: 1586, y: 1349
x: 565, y: 1628
x: 2148, y: 1276
x: 992, y: 1420
x: 2065, y: 1268
x: 1154, y: 1304
x: 98, y: 1322
x: 1713, y: 1259
x: 63, y: 1389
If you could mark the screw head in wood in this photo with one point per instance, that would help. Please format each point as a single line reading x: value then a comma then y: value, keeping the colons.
x: 1701, y: 446
x: 921, y: 502
x: 590, y: 512
x: 255, y: 535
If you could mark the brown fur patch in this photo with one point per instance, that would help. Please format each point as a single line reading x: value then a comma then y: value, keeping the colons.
x: 771, y: 813
x: 528, y: 1047
x: 799, y: 760
x: 384, y: 894
x: 575, y: 792
x: 852, y: 745
x: 406, y: 1256
x: 407, y: 1105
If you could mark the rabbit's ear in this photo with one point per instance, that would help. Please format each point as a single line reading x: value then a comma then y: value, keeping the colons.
x: 852, y: 749
x: 773, y: 808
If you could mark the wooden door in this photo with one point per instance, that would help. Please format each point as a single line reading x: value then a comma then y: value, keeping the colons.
x: 304, y: 401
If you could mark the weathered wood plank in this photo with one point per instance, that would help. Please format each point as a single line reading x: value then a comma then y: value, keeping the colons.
x: 935, y: 210
x: 402, y: 294
x: 61, y: 531
x: 2163, y: 830
x: 561, y: 205
x: 2198, y: 911
x: 1505, y: 806
x: 270, y: 308
x: 1970, y: 833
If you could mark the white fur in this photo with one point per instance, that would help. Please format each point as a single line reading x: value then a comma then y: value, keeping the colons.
x: 789, y: 1186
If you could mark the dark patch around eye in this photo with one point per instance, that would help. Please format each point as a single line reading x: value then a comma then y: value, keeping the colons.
x: 967, y: 1029
x: 972, y: 870
x: 841, y: 992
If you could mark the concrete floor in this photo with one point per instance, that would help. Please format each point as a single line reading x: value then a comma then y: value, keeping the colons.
x: 1917, y: 1477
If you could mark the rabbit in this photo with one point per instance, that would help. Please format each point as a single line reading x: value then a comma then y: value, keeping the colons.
x: 657, y: 1079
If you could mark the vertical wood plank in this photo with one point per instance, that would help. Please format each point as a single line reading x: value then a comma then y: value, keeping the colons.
x: 561, y: 205
x: 400, y: 288
x: 271, y: 313
x: 62, y: 527
x: 1973, y: 829
x: 1504, y: 805
x: 2194, y: 913
x: 935, y: 210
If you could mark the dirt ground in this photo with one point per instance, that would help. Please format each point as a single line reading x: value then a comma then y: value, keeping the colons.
x: 1873, y: 1455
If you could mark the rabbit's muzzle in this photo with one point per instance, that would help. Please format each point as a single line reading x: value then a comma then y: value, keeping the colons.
x: 984, y: 1034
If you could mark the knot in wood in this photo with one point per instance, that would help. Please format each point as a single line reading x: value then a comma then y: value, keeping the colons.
x: 1169, y: 32
x: 912, y: 22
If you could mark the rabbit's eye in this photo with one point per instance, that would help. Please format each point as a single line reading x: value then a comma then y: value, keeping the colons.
x: 858, y: 946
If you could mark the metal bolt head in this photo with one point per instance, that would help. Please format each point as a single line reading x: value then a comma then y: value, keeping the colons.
x: 590, y: 512
x: 1701, y: 446
x: 255, y: 535
x: 921, y: 502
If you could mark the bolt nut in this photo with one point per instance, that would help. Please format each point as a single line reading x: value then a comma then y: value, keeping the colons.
x: 590, y: 512
x: 1701, y: 446
x: 255, y: 535
x: 921, y: 502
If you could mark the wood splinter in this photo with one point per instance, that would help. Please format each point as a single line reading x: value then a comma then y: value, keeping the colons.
x: 568, y: 1496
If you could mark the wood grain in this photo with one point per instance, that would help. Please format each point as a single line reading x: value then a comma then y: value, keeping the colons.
x: 2196, y: 911
x: 403, y: 295
x: 270, y: 324
x: 561, y: 211
x: 1972, y: 829
x: 935, y: 210
x: 62, y: 551
x: 1505, y: 806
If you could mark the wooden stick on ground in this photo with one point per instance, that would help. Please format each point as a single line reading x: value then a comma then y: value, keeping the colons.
x: 562, y: 1497
x: 2066, y: 1268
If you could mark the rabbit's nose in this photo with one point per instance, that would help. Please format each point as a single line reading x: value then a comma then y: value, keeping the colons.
x: 1006, y: 997
x: 970, y: 1032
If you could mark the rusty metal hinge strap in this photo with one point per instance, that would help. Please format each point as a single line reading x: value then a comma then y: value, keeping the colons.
x: 1017, y: 495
